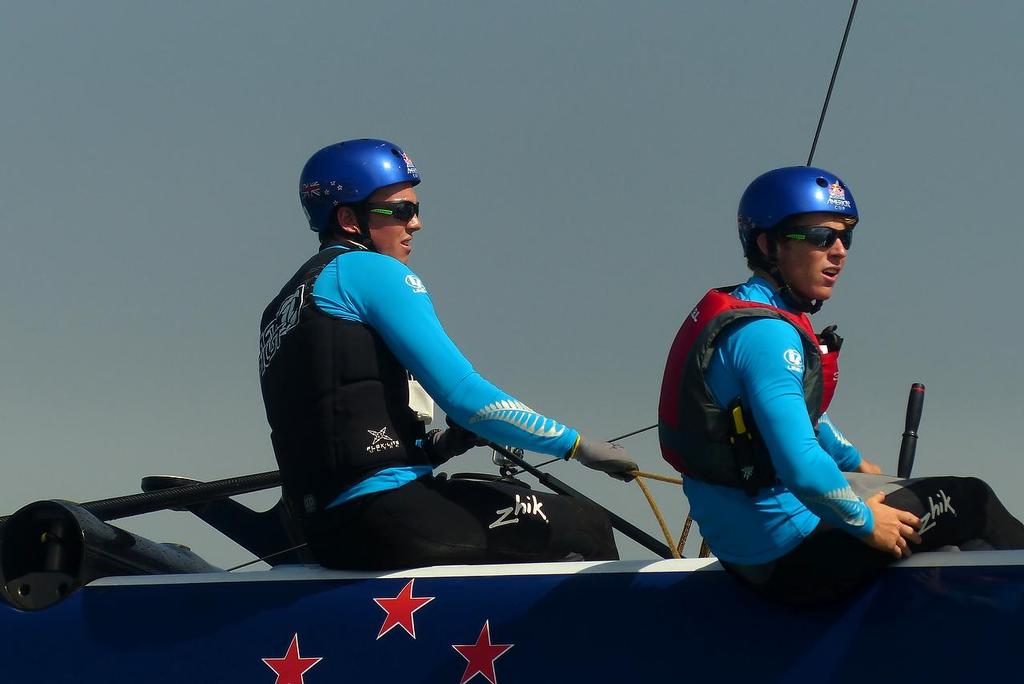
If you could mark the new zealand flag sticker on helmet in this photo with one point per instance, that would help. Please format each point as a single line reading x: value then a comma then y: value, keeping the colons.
x: 837, y: 196
x: 309, y: 190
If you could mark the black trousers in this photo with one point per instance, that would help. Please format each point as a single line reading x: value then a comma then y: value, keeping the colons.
x: 437, y: 521
x: 831, y: 564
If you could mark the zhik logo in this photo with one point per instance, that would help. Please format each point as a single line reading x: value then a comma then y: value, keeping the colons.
x: 935, y: 509
x: 528, y: 506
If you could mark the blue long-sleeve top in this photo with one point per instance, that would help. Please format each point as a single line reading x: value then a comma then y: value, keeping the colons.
x: 760, y: 361
x: 385, y: 294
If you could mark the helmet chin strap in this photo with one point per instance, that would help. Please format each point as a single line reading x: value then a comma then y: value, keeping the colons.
x: 791, y: 297
x: 362, y: 238
x: 363, y: 221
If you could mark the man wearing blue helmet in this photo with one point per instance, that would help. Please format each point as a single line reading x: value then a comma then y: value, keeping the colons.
x: 782, y: 497
x: 337, y: 346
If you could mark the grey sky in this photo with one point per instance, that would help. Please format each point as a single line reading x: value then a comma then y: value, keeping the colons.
x: 582, y: 163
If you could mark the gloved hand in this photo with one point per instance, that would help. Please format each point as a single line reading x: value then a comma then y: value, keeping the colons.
x: 606, y: 457
x: 442, y: 445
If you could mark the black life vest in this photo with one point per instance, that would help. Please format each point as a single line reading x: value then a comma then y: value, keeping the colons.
x: 695, y: 433
x: 337, y: 399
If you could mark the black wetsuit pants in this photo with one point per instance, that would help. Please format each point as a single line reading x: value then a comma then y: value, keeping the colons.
x: 831, y: 564
x: 437, y: 521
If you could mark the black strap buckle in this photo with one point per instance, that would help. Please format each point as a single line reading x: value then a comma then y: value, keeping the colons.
x: 830, y: 338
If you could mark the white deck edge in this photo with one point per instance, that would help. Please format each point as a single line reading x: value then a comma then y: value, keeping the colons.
x: 293, y: 573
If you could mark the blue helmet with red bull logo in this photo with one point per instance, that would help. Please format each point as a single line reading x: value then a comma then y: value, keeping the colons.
x: 348, y: 173
x: 775, y: 196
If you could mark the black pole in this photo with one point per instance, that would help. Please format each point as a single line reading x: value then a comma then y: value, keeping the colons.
x: 178, y: 497
x: 188, y: 495
x: 835, y: 72
x: 554, y: 484
x: 908, y: 447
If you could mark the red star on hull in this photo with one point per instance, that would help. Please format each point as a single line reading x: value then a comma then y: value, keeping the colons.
x: 292, y: 667
x: 480, y: 656
x: 400, y: 610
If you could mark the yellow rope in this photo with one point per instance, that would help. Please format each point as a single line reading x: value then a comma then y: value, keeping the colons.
x: 658, y: 515
x: 684, y: 534
x: 675, y: 548
x: 656, y: 476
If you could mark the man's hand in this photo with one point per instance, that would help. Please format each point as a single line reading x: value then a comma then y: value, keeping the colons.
x: 868, y: 467
x: 442, y: 445
x: 894, y: 529
x: 606, y: 457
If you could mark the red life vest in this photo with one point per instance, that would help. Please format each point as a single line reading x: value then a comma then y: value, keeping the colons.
x: 696, y: 433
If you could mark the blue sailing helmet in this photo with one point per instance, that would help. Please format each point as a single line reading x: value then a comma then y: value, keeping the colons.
x: 349, y: 172
x: 775, y: 196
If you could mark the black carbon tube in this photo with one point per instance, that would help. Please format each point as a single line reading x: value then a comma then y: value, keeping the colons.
x: 908, y: 447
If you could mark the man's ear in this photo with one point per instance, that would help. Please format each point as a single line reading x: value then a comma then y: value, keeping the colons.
x: 766, y: 249
x: 347, y: 220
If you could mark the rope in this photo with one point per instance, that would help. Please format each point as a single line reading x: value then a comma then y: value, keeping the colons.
x: 659, y: 516
x: 656, y: 476
x: 684, y: 534
x: 676, y: 547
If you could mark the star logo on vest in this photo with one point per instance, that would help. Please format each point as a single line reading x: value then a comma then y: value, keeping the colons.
x: 381, y: 441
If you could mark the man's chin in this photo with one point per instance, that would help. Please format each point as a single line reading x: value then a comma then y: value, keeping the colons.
x: 822, y: 294
x: 818, y: 294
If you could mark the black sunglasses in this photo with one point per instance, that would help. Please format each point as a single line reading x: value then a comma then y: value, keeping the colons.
x: 820, y: 236
x: 402, y: 210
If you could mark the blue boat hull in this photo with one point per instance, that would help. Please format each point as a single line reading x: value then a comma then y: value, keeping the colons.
x: 939, y: 617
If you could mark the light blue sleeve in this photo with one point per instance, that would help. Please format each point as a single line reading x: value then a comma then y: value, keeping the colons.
x: 385, y: 294
x: 842, y: 451
x: 767, y: 356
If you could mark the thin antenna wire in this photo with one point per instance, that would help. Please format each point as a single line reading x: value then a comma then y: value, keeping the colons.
x: 835, y: 72
x: 634, y: 432
x: 269, y: 555
x: 613, y: 439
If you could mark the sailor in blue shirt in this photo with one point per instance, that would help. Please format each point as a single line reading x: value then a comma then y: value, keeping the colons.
x: 750, y: 362
x: 353, y: 337
x: 795, y: 511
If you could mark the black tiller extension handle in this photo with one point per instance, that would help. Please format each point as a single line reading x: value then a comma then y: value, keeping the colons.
x: 908, y: 447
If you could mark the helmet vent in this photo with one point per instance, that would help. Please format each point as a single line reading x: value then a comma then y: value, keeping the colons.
x: 821, y: 181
